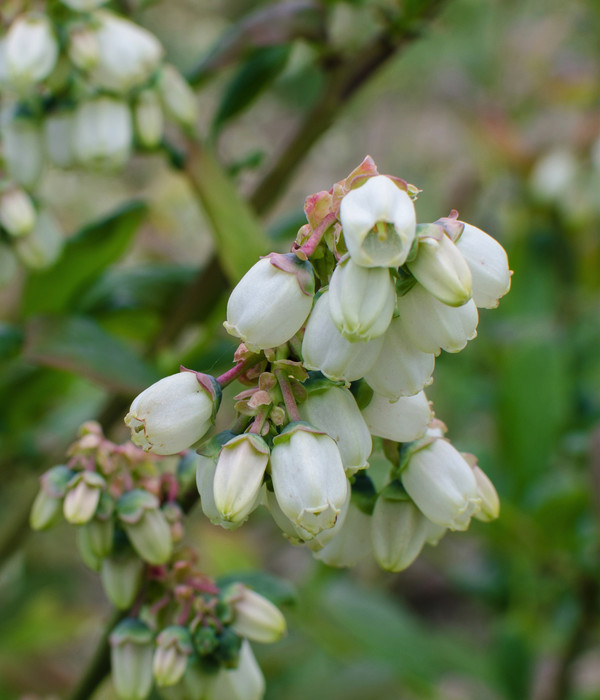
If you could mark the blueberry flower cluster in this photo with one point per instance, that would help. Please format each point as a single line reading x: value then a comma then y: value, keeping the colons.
x: 338, y: 341
x: 180, y: 631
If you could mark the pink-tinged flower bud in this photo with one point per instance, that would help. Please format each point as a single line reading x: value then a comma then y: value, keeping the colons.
x: 174, y: 413
x: 442, y: 485
x: 17, y: 213
x: 58, y: 138
x: 398, y: 533
x: 148, y: 119
x: 333, y: 410
x: 255, y: 617
x: 127, y: 53
x: 365, y: 214
x: 440, y: 267
x: 177, y: 96
x: 42, y: 247
x: 146, y: 526
x: 271, y: 302
x: 361, y: 300
x: 488, y: 263
x: 82, y: 497
x: 31, y: 50
x: 403, y: 420
x: 351, y: 542
x: 84, y: 48
x: 121, y: 576
x: 400, y: 369
x: 239, y: 475
x: 174, y: 646
x: 246, y: 682
x: 432, y: 326
x: 47, y: 506
x: 325, y: 349
x: 308, y: 477
x: 22, y: 150
x: 490, y: 503
x: 131, y: 651
x: 103, y: 133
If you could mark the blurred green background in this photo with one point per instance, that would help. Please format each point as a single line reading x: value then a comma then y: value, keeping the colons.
x: 491, y: 108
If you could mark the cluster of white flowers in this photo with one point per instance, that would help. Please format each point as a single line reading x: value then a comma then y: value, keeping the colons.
x: 80, y: 91
x: 339, y: 339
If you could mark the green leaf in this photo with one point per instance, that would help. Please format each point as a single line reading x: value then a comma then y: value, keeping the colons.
x: 79, y: 345
x: 85, y: 256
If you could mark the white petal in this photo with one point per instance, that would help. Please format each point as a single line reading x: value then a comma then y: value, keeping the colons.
x: 403, y: 420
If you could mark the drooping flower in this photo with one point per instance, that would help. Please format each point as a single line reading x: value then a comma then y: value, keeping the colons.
x: 403, y: 420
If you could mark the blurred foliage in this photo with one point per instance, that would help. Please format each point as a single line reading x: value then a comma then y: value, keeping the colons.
x: 494, y: 111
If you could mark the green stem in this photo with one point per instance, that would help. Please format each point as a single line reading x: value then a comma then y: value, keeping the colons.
x: 288, y: 395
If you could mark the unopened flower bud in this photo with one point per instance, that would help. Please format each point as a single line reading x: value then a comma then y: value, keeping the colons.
x: 22, y: 150
x: 47, y: 506
x: 239, y: 475
x: 58, y: 138
x: 361, y: 300
x: 131, y: 651
x: 398, y: 533
x: 146, y: 526
x: 442, y: 485
x: 246, y: 682
x: 17, y: 213
x: 84, y: 48
x: 82, y: 497
x: 121, y: 576
x: 308, y: 477
x: 255, y: 617
x: 325, y: 349
x: 205, y: 479
x: 174, y: 413
x: 365, y: 213
x: 403, y: 420
x: 332, y: 409
x: 271, y: 301
x: 440, y: 266
x: 30, y: 50
x: 173, y: 648
x: 177, y: 96
x: 102, y: 133
x: 97, y: 535
x: 490, y: 503
x: 432, y: 326
x: 148, y: 119
x: 41, y: 247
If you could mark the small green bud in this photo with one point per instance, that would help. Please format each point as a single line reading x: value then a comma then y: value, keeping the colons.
x: 131, y: 659
x: 146, y: 526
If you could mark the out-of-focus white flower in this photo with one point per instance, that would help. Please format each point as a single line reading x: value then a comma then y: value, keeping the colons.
x: 271, y: 301
x: 103, y: 133
x: 58, y: 138
x: 82, y: 497
x: 131, y: 651
x: 308, y: 477
x: 255, y: 617
x: 361, y: 300
x: 17, y: 213
x: 121, y: 576
x: 365, y: 213
x: 46, y: 507
x: 30, y: 50
x: 84, y: 47
x: 490, y: 503
x: 127, y: 53
x: 440, y: 267
x: 398, y: 533
x: 174, y: 413
x: 148, y: 118
x: 325, y: 349
x: 403, y: 420
x: 174, y: 646
x: 442, y: 485
x: 42, y: 247
x: 333, y: 409
x: 432, y: 326
x: 554, y: 174
x: 246, y: 682
x: 22, y: 149
x: 177, y: 96
x: 400, y: 369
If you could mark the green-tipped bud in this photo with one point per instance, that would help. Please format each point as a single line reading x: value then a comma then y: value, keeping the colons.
x: 173, y: 648
x: 121, y: 576
x: 96, y: 537
x: 131, y: 651
x: 146, y: 526
x: 46, y: 508
x: 82, y: 498
x: 255, y: 617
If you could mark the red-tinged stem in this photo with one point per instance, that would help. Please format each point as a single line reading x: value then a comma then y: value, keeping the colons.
x: 185, y: 612
x: 236, y: 371
x: 311, y: 244
x: 288, y: 395
x: 259, y: 421
x: 160, y: 604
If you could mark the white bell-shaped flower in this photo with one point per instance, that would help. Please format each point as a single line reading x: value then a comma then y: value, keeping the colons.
x: 17, y: 213
x: 351, y: 541
x: 440, y: 267
x: 361, y: 300
x: 324, y: 348
x: 127, y: 53
x: 308, y: 477
x: 365, y: 213
x: 400, y: 369
x: 403, y: 420
x: 332, y: 409
x: 174, y: 413
x: 398, y: 533
x: 239, y: 475
x: 103, y: 133
x: 131, y: 652
x: 22, y: 149
x: 255, y: 617
x: 30, y: 50
x: 148, y: 119
x: 271, y: 302
x: 205, y: 480
x: 58, y: 138
x: 41, y: 247
x: 442, y: 485
x: 488, y: 263
x: 246, y: 682
x: 432, y: 326
x: 83, y: 46
x: 178, y: 98
x: 490, y: 503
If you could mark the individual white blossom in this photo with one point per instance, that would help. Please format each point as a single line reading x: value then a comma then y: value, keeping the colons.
x: 17, y: 212
x: 174, y: 646
x: 22, y: 149
x: 131, y: 652
x: 255, y: 617
x: 177, y: 96
x: 403, y: 420
x: 30, y: 50
x: 41, y: 247
x: 103, y: 132
x: 58, y: 138
x: 83, y: 46
x: 490, y: 503
x: 398, y: 533
x: 246, y: 682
